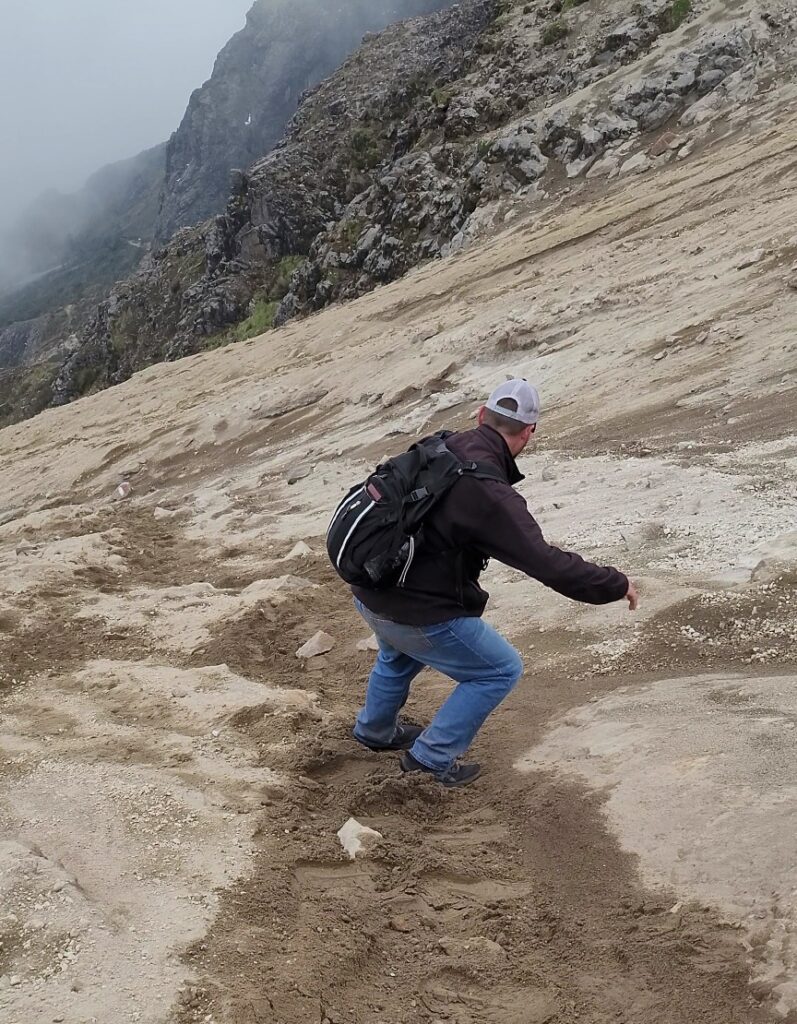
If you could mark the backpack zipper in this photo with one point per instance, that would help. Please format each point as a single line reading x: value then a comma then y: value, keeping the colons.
x: 408, y: 563
x: 353, y: 527
x: 339, y: 509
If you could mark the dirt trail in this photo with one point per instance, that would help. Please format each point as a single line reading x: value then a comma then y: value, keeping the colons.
x: 173, y: 777
x: 506, y: 903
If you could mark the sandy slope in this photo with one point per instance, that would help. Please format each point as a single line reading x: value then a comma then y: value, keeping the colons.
x: 173, y: 777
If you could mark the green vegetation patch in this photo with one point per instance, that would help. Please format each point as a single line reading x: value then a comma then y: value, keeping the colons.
x: 260, y: 320
x: 26, y: 391
x: 674, y: 16
x: 349, y: 230
x: 442, y: 96
x: 365, y: 149
x: 264, y: 305
x: 283, y: 273
x: 554, y: 31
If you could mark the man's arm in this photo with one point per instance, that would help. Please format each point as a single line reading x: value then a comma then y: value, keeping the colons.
x: 510, y: 534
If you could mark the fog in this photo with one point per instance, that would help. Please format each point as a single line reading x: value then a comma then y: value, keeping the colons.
x: 86, y: 82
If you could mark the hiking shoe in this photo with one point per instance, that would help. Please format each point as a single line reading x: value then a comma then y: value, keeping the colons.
x: 457, y: 775
x: 405, y: 736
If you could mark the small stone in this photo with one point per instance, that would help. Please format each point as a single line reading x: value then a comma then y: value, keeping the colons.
x: 318, y: 644
x: 662, y: 144
x: 400, y: 924
x: 356, y: 838
x: 548, y: 474
x: 607, y: 166
x: 577, y: 167
x: 369, y: 644
x: 124, y: 490
x: 297, y: 474
x: 300, y: 550
x: 425, y: 333
x: 636, y: 164
x: 751, y: 259
x: 660, y: 355
x: 164, y: 513
x: 14, y: 980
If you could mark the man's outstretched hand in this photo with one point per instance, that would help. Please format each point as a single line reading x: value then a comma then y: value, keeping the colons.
x: 632, y: 597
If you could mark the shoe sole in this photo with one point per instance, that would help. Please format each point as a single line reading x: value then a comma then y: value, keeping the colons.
x: 457, y: 784
x: 461, y: 783
x: 384, y: 750
x: 392, y: 749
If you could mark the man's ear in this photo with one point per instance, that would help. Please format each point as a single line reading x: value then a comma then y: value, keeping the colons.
x: 480, y: 416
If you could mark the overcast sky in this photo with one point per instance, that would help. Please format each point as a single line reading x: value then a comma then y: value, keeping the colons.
x: 87, y: 82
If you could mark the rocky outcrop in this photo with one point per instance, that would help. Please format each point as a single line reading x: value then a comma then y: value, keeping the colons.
x: 287, y: 47
x: 421, y: 204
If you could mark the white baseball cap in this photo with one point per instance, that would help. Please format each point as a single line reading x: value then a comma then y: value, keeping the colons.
x: 526, y: 396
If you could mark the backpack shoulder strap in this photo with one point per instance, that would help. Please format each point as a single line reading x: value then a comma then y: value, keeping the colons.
x: 484, y: 471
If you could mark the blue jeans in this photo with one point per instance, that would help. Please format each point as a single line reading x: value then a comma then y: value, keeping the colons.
x: 484, y: 665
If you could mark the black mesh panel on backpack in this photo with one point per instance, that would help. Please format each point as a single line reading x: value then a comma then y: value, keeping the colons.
x: 376, y: 530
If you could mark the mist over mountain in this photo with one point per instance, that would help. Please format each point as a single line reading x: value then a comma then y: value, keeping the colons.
x: 86, y: 84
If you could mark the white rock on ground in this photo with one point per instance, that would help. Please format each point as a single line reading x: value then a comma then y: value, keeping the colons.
x: 356, y: 838
x: 300, y: 550
x: 318, y: 644
x: 369, y: 644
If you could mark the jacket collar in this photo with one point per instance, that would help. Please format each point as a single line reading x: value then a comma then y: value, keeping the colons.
x: 497, y: 446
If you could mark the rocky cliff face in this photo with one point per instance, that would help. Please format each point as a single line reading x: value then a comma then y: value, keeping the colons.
x: 68, y: 245
x: 286, y: 47
x: 421, y: 141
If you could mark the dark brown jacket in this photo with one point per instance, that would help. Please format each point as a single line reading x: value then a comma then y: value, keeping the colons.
x: 475, y: 521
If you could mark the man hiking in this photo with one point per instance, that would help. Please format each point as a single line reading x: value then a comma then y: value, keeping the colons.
x: 433, y: 618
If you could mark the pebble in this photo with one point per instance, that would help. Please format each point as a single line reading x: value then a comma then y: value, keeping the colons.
x: 320, y: 643
x: 400, y: 924
x: 751, y: 258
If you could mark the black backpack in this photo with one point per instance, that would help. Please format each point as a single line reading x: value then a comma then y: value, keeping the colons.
x: 376, y: 530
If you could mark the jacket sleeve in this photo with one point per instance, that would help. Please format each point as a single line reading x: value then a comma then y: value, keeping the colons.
x: 510, y: 534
